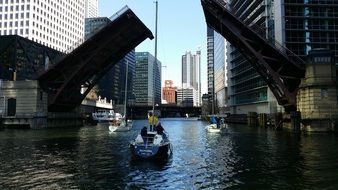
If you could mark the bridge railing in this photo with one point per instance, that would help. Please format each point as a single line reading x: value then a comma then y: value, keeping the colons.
x: 263, y: 34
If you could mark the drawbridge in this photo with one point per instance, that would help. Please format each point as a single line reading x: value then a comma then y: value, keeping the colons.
x: 87, y: 63
x: 281, y: 69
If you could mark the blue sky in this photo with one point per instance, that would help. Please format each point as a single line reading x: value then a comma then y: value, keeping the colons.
x: 181, y: 28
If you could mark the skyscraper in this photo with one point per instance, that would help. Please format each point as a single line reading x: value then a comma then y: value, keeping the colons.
x: 300, y: 26
x: 191, y: 74
x: 220, y: 72
x: 247, y: 90
x: 91, y: 8
x: 147, y: 84
x: 210, y: 69
x: 54, y: 23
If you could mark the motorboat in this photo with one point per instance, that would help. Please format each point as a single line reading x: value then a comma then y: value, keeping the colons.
x: 151, y: 147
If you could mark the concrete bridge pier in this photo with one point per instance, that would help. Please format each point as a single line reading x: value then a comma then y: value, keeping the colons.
x: 317, y: 95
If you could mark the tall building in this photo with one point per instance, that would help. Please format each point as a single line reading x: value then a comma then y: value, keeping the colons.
x: 307, y: 25
x: 186, y: 96
x: 191, y: 74
x: 91, y: 8
x: 210, y: 70
x: 147, y: 83
x: 220, y: 72
x: 216, y: 58
x: 112, y: 84
x: 300, y: 26
x: 53, y: 23
x: 169, y: 92
x: 93, y: 24
x: 247, y: 90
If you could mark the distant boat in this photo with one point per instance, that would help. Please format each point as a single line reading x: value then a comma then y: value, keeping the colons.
x: 151, y: 147
x: 103, y: 115
x: 212, y: 128
x: 122, y: 124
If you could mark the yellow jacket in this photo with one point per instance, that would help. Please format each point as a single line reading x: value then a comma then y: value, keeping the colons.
x: 153, y: 120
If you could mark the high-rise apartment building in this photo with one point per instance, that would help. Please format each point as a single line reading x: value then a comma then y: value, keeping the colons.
x: 147, y: 83
x: 191, y: 74
x: 53, y: 23
x: 169, y: 92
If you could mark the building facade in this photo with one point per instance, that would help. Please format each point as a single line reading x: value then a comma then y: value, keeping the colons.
x: 93, y: 24
x: 186, y: 97
x: 210, y: 70
x: 147, y: 83
x: 169, y: 92
x: 56, y: 24
x: 299, y: 25
x: 191, y: 74
x: 220, y: 72
x: 91, y: 8
x: 112, y: 84
x: 306, y: 25
x: 247, y: 90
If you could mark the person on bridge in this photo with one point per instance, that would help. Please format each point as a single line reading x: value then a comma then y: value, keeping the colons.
x: 153, y: 120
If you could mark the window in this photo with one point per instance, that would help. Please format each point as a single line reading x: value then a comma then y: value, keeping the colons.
x: 324, y: 93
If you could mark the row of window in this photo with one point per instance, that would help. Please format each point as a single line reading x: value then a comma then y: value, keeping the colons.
x: 4, y: 25
x: 12, y: 1
x: 17, y: 8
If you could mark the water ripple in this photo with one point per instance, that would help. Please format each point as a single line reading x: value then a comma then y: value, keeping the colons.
x: 92, y: 158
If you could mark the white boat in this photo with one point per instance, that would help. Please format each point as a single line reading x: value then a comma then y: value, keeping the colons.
x: 151, y: 147
x: 103, y: 115
x: 212, y: 128
x: 121, y: 127
x: 120, y: 124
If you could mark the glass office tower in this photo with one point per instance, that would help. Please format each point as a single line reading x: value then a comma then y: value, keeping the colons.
x: 147, y: 81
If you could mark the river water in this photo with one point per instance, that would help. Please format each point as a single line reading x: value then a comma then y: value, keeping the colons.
x: 244, y: 158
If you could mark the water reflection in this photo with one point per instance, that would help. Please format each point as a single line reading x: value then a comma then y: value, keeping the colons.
x: 93, y: 158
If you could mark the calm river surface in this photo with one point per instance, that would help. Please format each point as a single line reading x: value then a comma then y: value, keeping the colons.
x: 244, y: 158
